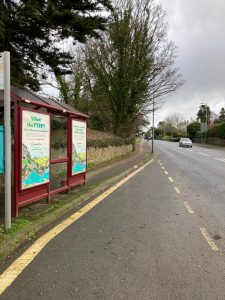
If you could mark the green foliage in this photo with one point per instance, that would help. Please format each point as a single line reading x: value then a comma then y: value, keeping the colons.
x: 198, y: 134
x: 58, y: 124
x: 212, y: 131
x: 203, y: 112
x: 91, y: 165
x: 96, y: 122
x: 192, y: 129
x: 221, y: 117
x: 217, y: 130
x: 33, y: 31
x: 59, y: 144
x: 158, y: 132
x: 179, y: 134
x: 171, y: 139
x: 130, y: 63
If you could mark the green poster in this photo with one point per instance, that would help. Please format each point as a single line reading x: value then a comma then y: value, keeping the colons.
x: 79, y: 147
x: 35, y: 148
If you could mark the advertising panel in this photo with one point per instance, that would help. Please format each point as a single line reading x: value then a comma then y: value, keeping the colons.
x: 78, y: 147
x: 203, y: 127
x: 35, y: 149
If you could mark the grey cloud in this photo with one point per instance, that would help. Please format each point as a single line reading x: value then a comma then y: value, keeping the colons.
x: 198, y: 29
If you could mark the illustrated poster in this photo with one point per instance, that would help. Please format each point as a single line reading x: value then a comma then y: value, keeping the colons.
x: 35, y: 148
x: 78, y: 147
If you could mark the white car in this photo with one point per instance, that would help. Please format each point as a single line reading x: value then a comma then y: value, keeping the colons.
x: 185, y: 142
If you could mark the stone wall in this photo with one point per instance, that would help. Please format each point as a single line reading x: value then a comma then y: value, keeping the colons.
x: 97, y: 156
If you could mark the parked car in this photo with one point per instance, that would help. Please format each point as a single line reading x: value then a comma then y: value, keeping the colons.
x: 185, y: 142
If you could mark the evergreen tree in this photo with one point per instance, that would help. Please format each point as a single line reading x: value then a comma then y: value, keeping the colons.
x: 131, y: 64
x: 202, y: 114
x: 222, y: 115
x: 33, y: 30
x: 192, y: 129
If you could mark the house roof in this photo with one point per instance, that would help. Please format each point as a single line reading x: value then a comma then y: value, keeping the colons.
x: 33, y: 98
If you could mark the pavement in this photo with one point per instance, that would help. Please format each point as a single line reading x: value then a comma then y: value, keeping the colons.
x: 110, y: 170
x: 98, y: 180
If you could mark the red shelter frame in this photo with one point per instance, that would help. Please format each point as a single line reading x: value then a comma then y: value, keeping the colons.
x: 35, y: 103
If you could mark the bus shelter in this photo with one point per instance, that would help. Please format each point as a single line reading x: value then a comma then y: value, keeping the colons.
x: 49, y: 147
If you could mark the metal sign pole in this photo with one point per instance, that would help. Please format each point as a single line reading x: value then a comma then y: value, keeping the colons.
x: 7, y: 123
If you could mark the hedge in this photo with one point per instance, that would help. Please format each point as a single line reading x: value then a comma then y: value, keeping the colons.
x: 171, y: 139
x: 217, y: 130
x: 113, y: 142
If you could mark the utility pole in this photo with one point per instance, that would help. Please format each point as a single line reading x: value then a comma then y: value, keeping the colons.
x: 206, y: 121
x: 153, y: 109
x: 153, y: 120
x: 205, y: 128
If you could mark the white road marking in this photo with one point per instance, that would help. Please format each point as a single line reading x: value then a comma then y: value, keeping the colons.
x: 170, y: 179
x: 166, y: 172
x: 220, y: 159
x: 163, y: 168
x: 17, y: 267
x: 208, y: 239
x: 203, y: 154
x: 188, y: 207
x: 177, y: 190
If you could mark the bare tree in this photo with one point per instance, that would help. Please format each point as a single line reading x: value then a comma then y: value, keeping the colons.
x: 176, y: 120
x: 132, y: 63
x: 122, y: 72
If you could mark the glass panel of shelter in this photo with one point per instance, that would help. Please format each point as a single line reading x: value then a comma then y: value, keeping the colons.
x: 59, y: 151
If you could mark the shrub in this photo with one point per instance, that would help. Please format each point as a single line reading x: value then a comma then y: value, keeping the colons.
x: 198, y: 134
x: 171, y: 139
x: 220, y: 130
x: 211, y: 131
x: 217, y: 130
x: 114, y: 142
x: 59, y: 145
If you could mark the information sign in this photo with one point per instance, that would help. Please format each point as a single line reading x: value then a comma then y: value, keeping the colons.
x: 203, y: 127
x: 78, y: 147
x: 2, y: 152
x: 35, y: 148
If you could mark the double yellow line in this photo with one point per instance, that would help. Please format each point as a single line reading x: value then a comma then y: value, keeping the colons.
x: 17, y: 267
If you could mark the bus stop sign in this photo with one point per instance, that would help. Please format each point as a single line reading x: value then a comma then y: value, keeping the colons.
x: 2, y: 152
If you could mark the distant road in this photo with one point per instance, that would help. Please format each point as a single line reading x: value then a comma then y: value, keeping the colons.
x: 201, y: 174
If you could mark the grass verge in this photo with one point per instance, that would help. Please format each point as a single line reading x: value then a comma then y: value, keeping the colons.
x: 38, y: 216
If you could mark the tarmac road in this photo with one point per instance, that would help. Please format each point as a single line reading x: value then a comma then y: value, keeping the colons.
x: 159, y: 236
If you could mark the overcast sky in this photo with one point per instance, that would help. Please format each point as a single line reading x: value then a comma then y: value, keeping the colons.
x: 198, y: 29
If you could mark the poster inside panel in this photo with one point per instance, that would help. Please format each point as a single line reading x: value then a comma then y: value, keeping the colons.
x: 78, y: 147
x: 35, y: 149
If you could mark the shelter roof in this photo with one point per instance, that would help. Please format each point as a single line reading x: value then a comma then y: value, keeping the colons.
x: 33, y: 98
